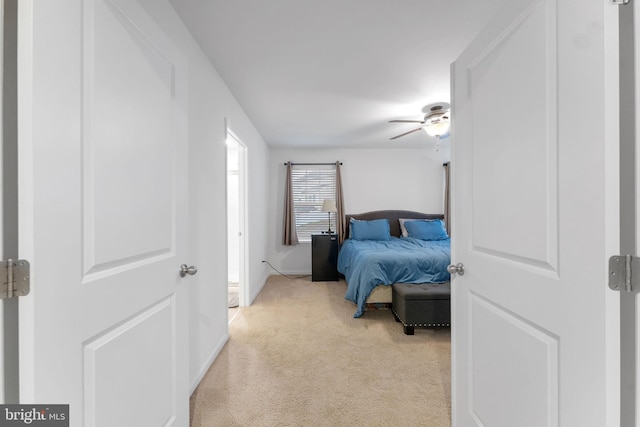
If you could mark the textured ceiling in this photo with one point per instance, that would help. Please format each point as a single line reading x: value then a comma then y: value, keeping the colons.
x: 332, y: 73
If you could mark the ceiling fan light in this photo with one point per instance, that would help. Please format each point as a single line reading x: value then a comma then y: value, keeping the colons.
x: 436, y: 128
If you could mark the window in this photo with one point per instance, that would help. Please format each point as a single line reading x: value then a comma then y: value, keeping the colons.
x: 311, y: 184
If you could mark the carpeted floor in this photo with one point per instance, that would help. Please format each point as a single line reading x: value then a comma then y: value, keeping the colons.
x: 297, y: 357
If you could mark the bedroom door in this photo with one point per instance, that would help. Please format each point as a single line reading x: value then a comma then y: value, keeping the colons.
x: 236, y: 208
x: 535, y: 179
x: 103, y: 199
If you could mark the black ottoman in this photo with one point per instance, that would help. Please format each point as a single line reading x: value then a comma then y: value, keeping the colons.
x: 423, y: 305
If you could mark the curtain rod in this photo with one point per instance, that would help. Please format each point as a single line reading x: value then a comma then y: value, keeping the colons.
x: 312, y: 164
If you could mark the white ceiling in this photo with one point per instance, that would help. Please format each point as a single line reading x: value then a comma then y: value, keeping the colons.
x: 332, y: 73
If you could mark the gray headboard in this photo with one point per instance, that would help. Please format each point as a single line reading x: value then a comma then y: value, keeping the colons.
x: 392, y: 215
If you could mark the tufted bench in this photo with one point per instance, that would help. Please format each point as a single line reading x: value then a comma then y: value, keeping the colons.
x: 423, y: 305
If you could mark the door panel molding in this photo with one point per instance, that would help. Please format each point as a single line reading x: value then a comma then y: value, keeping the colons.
x: 128, y: 100
x: 135, y: 350
x: 521, y: 226
x: 533, y: 394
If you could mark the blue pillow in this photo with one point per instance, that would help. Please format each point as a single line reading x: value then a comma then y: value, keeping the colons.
x: 426, y: 230
x: 378, y: 229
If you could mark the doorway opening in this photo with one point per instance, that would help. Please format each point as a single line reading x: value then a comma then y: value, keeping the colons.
x: 236, y: 236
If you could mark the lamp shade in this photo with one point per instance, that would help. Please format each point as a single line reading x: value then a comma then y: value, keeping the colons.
x: 437, y: 128
x: 329, y: 205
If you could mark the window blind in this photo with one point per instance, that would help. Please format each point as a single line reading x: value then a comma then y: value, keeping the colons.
x: 311, y: 184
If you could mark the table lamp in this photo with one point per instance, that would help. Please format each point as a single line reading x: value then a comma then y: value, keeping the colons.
x: 328, y: 206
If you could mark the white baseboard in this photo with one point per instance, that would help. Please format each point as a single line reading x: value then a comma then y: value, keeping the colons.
x: 291, y: 273
x: 208, y: 362
x: 255, y: 293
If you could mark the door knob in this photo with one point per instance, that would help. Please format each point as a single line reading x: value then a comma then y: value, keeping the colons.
x: 458, y: 268
x: 184, y: 270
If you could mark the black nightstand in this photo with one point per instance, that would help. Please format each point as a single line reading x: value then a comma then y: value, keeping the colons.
x: 324, y: 257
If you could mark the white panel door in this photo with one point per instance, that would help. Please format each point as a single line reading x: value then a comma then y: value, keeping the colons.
x: 2, y: 322
x: 103, y: 139
x: 532, y: 315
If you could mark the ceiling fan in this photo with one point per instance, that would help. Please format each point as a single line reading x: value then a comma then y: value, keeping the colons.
x: 435, y: 122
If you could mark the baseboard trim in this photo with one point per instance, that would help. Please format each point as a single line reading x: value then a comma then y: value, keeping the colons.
x: 292, y: 273
x: 208, y: 362
x: 256, y: 292
x: 289, y: 273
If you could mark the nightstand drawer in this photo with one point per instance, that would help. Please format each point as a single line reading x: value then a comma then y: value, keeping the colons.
x: 324, y: 257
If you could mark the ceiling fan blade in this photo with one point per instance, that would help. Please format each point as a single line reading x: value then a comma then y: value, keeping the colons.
x: 406, y: 133
x: 406, y: 121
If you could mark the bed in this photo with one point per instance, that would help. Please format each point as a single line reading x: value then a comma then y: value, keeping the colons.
x: 371, y: 266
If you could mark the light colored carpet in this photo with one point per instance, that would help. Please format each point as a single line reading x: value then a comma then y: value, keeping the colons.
x: 297, y: 357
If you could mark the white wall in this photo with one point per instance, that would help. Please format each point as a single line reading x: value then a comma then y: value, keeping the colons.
x: 210, y: 102
x: 372, y: 179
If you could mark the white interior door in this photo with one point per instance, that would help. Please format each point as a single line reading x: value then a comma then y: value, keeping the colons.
x: 236, y: 208
x: 233, y: 211
x: 2, y: 322
x: 103, y: 197
x: 534, y: 171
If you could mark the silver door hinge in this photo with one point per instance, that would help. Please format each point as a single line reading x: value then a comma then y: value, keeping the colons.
x: 618, y: 2
x: 15, y: 281
x: 621, y: 269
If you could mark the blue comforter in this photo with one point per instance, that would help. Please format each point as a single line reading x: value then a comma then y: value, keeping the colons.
x: 369, y: 263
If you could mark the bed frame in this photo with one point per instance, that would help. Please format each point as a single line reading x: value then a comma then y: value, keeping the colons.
x: 381, y: 295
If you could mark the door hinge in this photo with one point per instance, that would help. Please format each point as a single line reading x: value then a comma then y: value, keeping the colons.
x: 618, y: 2
x: 16, y: 278
x: 621, y: 269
